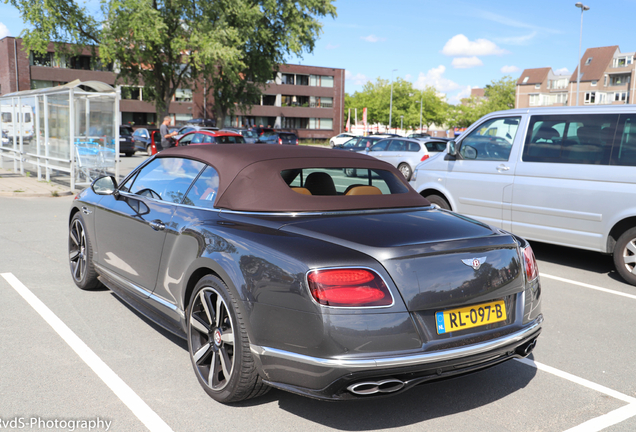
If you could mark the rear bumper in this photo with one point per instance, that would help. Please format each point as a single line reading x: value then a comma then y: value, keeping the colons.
x: 329, y: 378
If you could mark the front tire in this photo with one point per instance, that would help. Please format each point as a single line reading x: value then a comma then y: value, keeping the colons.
x: 625, y: 256
x: 219, y: 346
x: 80, y: 253
x: 438, y: 201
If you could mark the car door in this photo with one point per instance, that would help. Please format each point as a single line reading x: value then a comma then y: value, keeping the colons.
x: 379, y: 149
x: 480, y: 179
x: 131, y: 226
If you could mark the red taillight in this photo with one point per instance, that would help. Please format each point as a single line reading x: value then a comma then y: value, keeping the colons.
x: 424, y: 158
x: 348, y: 288
x: 280, y: 141
x: 530, y: 264
x: 296, y: 141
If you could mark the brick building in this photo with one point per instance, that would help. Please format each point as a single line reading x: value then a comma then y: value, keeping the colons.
x: 308, y: 99
x: 607, y: 77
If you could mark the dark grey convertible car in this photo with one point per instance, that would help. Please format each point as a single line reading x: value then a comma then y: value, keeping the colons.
x: 282, y: 272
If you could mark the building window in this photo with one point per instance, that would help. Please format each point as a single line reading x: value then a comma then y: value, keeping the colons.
x: 39, y: 84
x: 320, y: 123
x: 590, y: 97
x: 183, y: 95
x: 320, y: 102
x: 617, y: 80
x: 81, y: 62
x: 294, y: 123
x: 131, y: 93
x: 594, y: 83
x: 320, y: 81
x: 525, y: 80
x: 45, y: 59
x: 622, y: 61
x: 269, y: 100
x: 537, y: 86
x: 588, y: 61
x: 621, y: 96
x: 137, y: 118
x: 302, y: 80
x: 288, y: 79
x: 534, y: 100
x: 183, y: 117
x: 605, y: 81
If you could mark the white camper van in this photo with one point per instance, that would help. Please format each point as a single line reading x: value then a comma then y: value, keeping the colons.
x: 562, y: 175
x: 17, y: 121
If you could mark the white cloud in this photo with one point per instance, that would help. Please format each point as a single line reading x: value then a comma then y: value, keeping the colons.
x: 4, y: 31
x: 517, y: 40
x: 372, y: 39
x: 332, y: 47
x: 435, y: 78
x: 466, y: 62
x: 509, y: 69
x: 357, y: 79
x: 562, y: 71
x: 457, y: 98
x: 459, y: 46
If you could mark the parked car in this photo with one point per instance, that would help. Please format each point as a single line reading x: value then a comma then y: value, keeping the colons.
x: 143, y: 139
x: 272, y: 286
x: 418, y: 135
x: 210, y: 137
x: 341, y: 138
x: 126, y: 145
x: 403, y: 153
x: 201, y: 122
x: 261, y: 130
x: 564, y: 176
x: 357, y: 143
x: 189, y: 128
x: 278, y: 138
x: 248, y: 134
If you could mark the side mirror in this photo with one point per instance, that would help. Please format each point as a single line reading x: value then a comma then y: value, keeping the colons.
x: 106, y: 185
x: 451, y: 151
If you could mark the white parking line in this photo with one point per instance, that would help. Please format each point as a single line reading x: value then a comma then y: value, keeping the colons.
x: 599, y: 423
x: 594, y: 287
x: 127, y: 395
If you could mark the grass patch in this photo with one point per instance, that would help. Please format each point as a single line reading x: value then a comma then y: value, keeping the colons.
x: 55, y: 194
x: 18, y: 191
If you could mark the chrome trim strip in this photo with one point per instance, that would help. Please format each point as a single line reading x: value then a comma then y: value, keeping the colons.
x: 132, y: 287
x: 348, y: 307
x: 327, y: 213
x: 407, y: 360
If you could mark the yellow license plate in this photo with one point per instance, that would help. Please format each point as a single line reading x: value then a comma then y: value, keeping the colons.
x: 469, y: 317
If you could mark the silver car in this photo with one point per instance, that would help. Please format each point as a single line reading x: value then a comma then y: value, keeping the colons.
x: 404, y: 153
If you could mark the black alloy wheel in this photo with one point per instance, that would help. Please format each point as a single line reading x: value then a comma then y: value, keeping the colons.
x: 80, y: 255
x: 625, y: 256
x: 219, y: 345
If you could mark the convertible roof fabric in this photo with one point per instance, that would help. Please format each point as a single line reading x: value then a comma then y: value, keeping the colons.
x: 250, y: 177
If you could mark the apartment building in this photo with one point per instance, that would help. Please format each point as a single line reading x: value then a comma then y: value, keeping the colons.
x: 541, y: 87
x: 308, y: 99
x: 607, y: 77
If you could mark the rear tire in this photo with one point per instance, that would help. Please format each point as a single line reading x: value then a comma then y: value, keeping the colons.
x: 438, y: 201
x: 149, y: 150
x: 129, y: 154
x: 406, y: 171
x: 625, y: 256
x: 219, y: 345
x: 350, y: 172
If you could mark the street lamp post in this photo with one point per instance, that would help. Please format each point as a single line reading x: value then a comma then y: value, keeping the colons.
x: 391, y: 103
x: 421, y: 101
x: 578, y: 72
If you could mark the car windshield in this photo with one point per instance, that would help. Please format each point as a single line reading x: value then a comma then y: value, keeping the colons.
x: 125, y: 132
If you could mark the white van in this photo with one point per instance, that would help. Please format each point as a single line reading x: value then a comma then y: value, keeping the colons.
x: 562, y: 175
x: 24, y: 125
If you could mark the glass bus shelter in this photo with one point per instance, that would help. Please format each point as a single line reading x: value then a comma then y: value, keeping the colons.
x: 66, y: 134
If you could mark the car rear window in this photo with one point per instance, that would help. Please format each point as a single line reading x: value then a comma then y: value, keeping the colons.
x: 341, y: 181
x: 125, y: 132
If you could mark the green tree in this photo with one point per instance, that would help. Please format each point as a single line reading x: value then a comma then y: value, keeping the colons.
x: 501, y: 94
x: 164, y: 45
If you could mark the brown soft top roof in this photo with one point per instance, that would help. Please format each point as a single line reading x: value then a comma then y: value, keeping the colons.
x: 250, y: 177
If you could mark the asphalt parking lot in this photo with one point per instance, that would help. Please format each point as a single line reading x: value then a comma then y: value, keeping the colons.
x: 75, y: 357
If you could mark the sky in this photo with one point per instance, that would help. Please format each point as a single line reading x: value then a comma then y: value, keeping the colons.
x: 452, y: 45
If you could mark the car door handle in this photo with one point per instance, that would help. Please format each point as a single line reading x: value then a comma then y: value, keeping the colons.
x: 157, y: 225
x: 502, y: 168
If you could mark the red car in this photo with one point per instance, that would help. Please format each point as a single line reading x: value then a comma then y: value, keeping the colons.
x: 202, y: 137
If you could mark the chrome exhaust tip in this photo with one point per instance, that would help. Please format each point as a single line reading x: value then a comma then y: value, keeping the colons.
x: 366, y: 388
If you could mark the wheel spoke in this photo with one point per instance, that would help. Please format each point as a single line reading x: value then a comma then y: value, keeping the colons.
x: 78, y: 269
x: 73, y: 235
x: 226, y: 362
x: 631, y: 247
x: 213, y: 371
x: 204, y: 302
x: 73, y: 255
x: 201, y: 352
x: 631, y: 259
x: 228, y: 337
x: 199, y: 325
x: 219, y: 305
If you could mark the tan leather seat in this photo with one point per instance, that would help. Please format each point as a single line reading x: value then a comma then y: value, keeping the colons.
x: 364, y: 190
x: 302, y: 191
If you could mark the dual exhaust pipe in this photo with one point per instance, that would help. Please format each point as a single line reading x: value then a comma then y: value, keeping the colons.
x: 366, y: 388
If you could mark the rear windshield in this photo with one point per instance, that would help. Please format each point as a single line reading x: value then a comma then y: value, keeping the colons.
x: 125, y: 132
x: 249, y: 134
x: 343, y: 181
